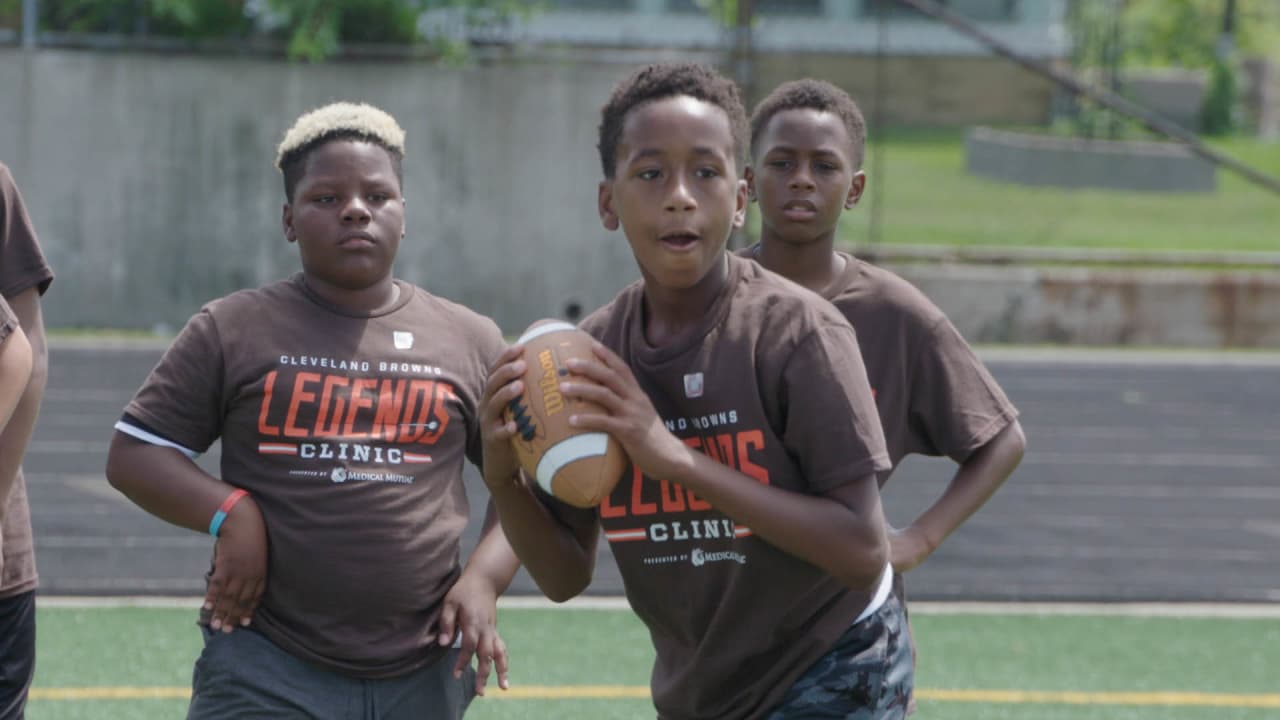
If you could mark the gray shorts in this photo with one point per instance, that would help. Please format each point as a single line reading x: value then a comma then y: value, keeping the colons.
x: 868, y: 675
x: 243, y: 676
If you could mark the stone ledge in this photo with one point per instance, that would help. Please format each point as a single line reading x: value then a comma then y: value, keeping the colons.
x: 1024, y: 255
x: 1086, y: 306
x: 1043, y: 160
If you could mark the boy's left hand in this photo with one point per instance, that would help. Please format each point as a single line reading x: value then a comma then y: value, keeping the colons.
x: 629, y: 414
x: 471, y: 607
x: 907, y: 548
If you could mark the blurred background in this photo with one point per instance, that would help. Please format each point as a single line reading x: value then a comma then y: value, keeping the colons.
x: 1087, y: 187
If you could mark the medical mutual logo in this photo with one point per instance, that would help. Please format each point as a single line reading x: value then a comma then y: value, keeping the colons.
x: 699, y: 557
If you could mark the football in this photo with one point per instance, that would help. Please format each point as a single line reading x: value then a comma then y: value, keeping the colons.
x: 576, y: 466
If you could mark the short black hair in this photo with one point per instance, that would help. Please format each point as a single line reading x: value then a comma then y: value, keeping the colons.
x: 811, y: 94
x: 337, y: 121
x: 659, y: 82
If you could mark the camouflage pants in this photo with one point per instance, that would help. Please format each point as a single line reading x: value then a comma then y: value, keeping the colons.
x: 868, y: 675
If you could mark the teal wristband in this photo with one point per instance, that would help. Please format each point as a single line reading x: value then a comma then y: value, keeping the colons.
x: 215, y: 524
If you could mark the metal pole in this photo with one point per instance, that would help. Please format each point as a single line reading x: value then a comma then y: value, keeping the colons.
x: 1226, y: 40
x: 30, y: 13
x: 878, y: 172
x: 743, y: 50
x: 1113, y: 65
x: 741, y: 59
x: 1109, y: 100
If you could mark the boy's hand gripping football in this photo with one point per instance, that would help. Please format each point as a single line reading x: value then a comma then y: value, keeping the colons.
x: 239, y: 568
x: 629, y: 414
x: 504, y: 385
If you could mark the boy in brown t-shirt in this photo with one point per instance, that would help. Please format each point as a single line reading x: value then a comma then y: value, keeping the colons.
x: 346, y: 402
x: 748, y: 529
x: 24, y: 277
x: 933, y: 395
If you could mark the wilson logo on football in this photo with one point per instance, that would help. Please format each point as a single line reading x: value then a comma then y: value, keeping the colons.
x: 577, y: 466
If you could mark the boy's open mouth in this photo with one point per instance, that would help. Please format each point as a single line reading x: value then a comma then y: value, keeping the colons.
x: 680, y: 240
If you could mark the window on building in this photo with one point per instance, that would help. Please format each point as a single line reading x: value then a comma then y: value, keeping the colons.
x: 800, y: 8
x: 981, y: 10
x: 603, y: 5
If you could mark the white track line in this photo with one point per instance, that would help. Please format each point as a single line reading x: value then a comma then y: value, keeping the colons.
x: 1142, y: 609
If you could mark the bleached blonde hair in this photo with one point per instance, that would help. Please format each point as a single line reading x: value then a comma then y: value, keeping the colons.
x: 345, y: 119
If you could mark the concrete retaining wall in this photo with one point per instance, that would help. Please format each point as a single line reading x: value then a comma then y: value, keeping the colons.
x: 150, y: 178
x: 1076, y: 163
x: 150, y: 181
x: 1174, y: 308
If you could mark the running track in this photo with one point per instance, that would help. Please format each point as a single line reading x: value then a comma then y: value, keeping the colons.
x: 1149, y: 476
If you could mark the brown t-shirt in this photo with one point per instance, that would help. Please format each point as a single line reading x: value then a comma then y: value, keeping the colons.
x: 350, y: 433
x: 933, y: 394
x: 771, y: 384
x: 22, y: 267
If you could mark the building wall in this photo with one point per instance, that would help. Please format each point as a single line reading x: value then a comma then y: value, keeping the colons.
x: 1034, y: 27
x: 922, y: 90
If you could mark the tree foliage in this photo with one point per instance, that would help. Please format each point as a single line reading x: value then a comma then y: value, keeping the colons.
x: 310, y: 29
x: 1173, y: 33
x: 1110, y: 35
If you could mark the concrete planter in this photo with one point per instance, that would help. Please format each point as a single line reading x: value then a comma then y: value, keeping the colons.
x: 1042, y: 160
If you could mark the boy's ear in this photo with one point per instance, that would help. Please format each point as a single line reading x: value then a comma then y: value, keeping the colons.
x: 856, y: 189
x: 604, y: 204
x: 286, y: 220
x: 749, y: 174
x: 740, y: 209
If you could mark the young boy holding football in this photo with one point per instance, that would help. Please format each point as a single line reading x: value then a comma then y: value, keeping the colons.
x: 748, y: 528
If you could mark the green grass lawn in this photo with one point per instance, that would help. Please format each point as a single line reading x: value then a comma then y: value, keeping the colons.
x: 930, y: 200
x: 147, y: 648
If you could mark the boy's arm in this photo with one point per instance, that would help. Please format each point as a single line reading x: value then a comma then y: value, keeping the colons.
x: 15, y: 371
x: 802, y: 525
x: 956, y: 409
x: 975, y: 481
x: 168, y: 484
x: 17, y: 432
x: 470, y: 607
x: 559, y: 552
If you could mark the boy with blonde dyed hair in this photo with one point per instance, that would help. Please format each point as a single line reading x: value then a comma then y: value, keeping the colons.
x: 346, y: 402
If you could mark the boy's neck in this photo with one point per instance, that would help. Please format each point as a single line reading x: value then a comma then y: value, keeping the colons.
x: 382, y: 294
x: 815, y: 265
x: 671, y: 312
